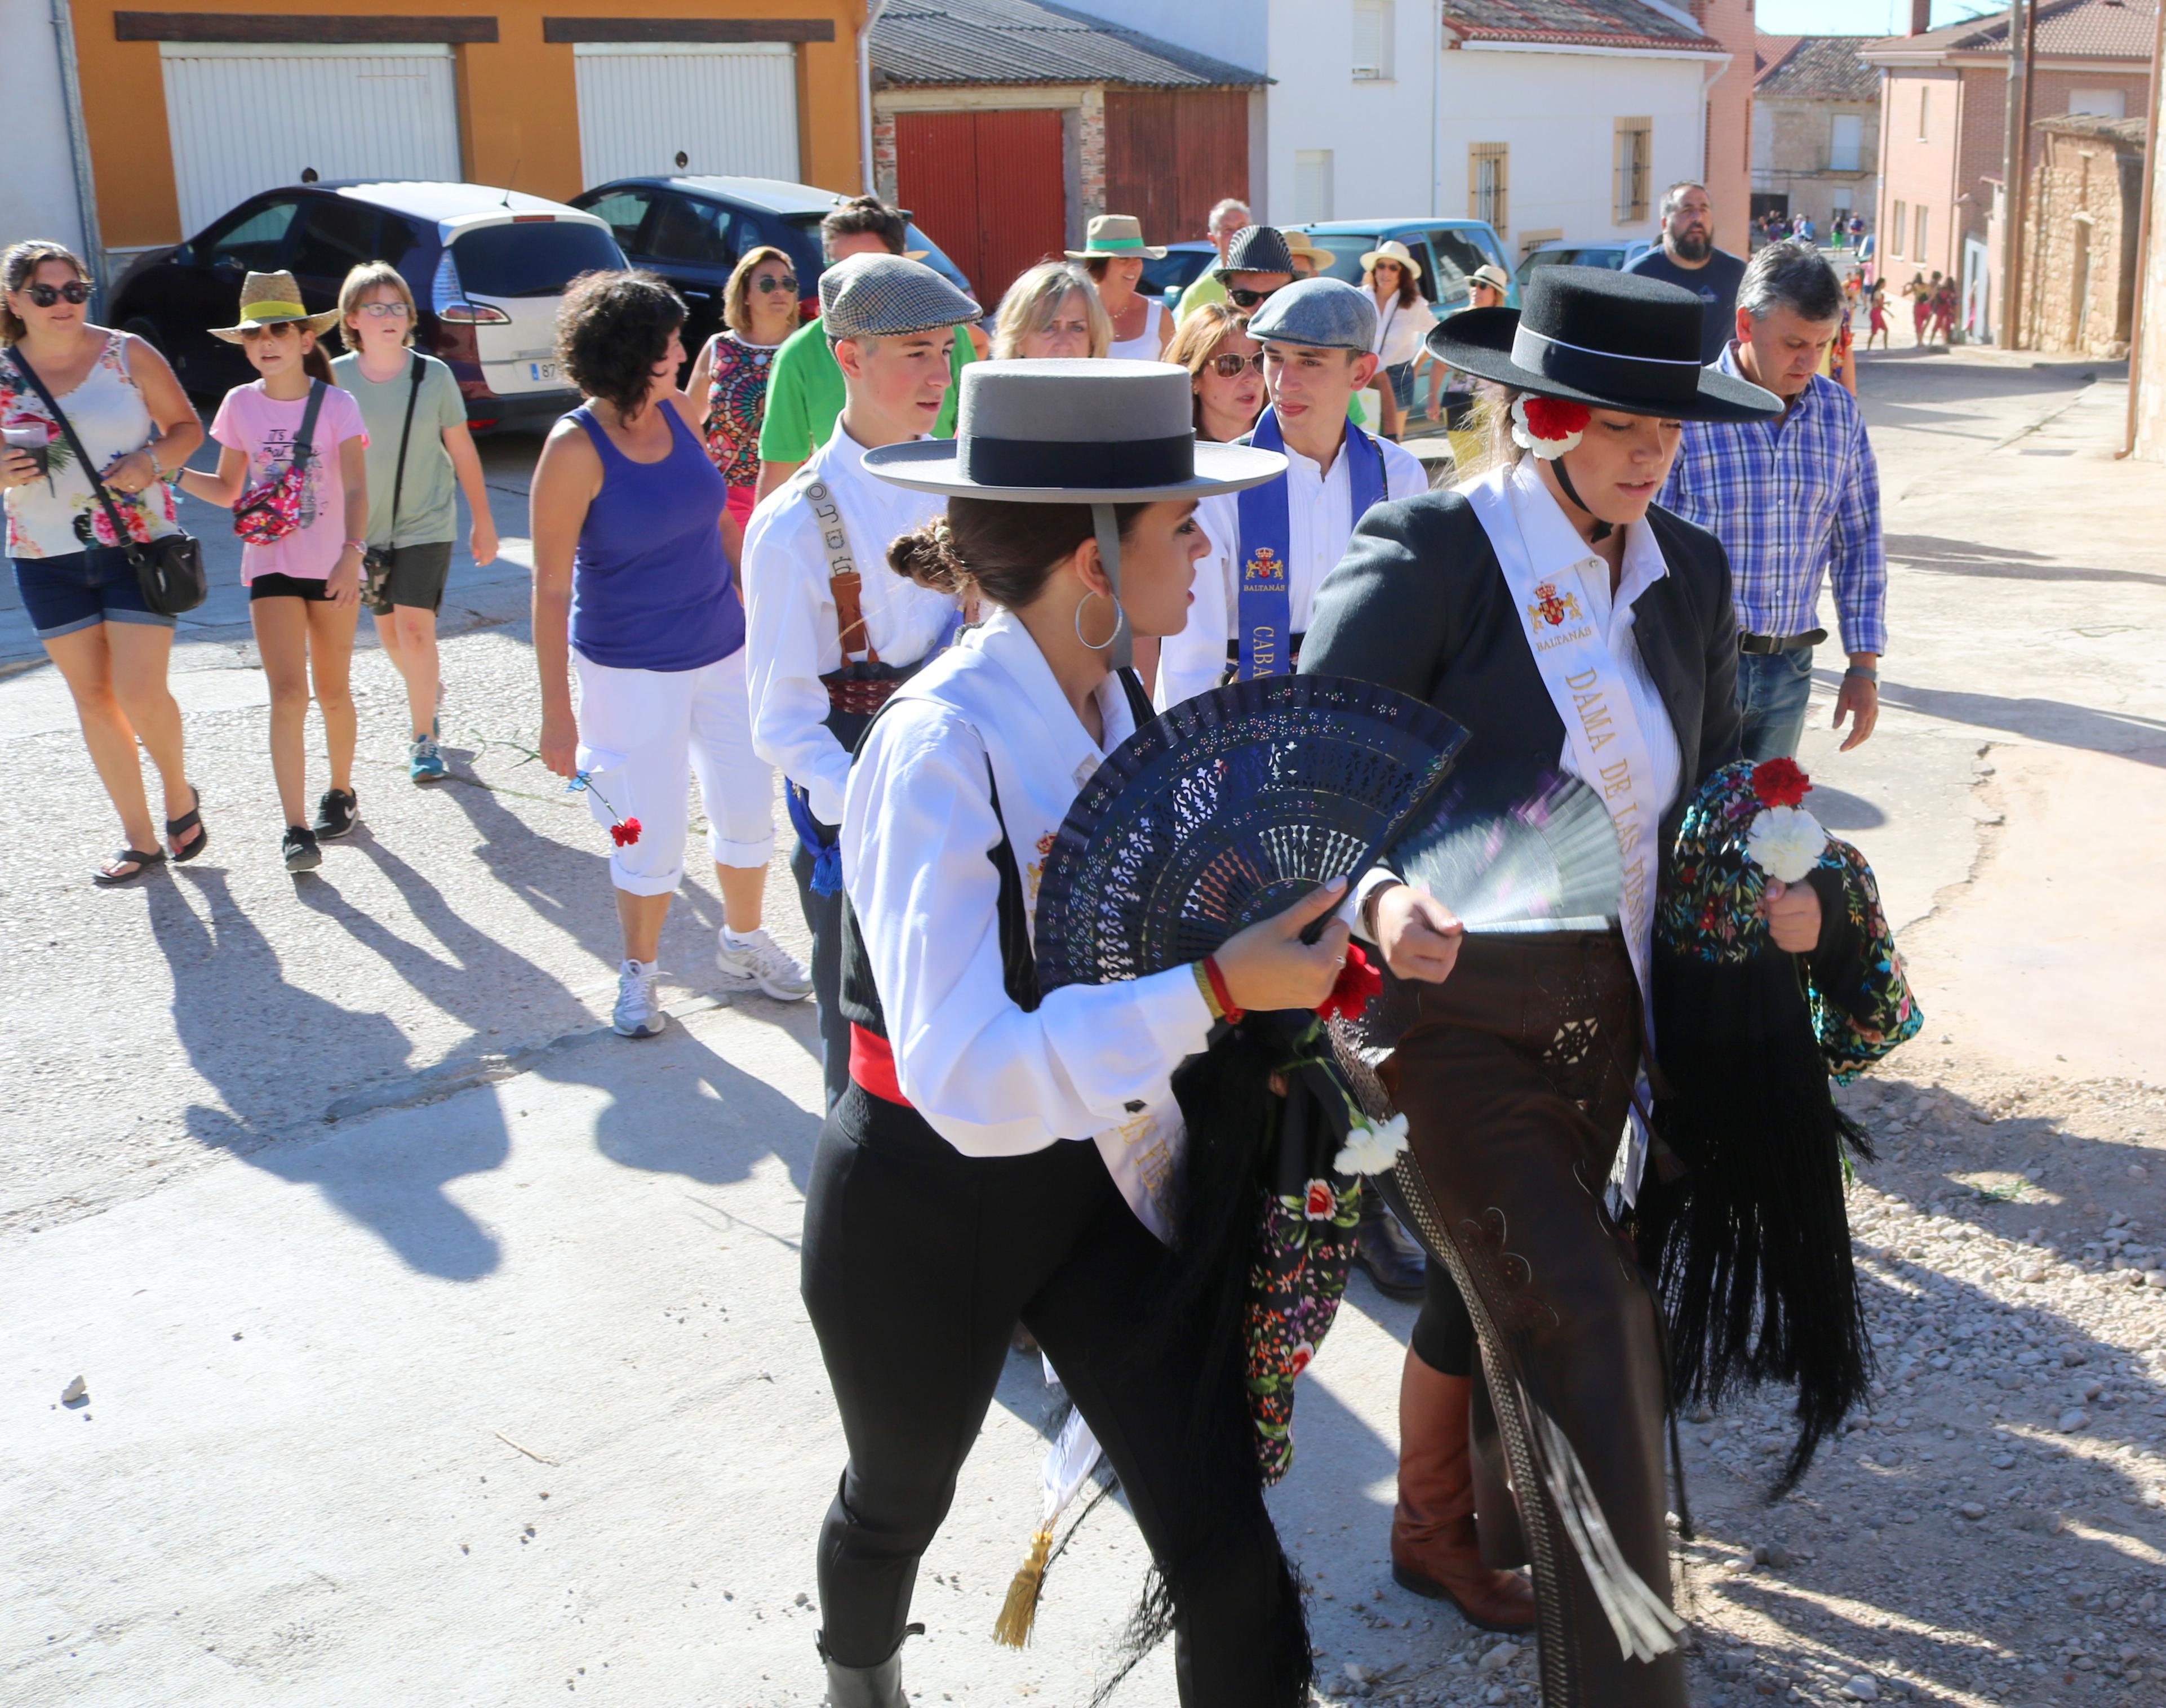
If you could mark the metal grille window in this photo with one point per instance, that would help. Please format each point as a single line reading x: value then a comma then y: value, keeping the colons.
x: 1487, y: 185
x: 1373, y: 41
x: 1634, y: 148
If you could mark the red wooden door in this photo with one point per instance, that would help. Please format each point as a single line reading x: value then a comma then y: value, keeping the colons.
x: 988, y: 187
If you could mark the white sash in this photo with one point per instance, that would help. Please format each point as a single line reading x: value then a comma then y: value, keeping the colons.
x: 1602, y: 731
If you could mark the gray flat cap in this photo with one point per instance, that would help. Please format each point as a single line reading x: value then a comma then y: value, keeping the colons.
x: 1328, y: 313
x: 884, y: 296
x: 1256, y: 249
x: 1066, y: 432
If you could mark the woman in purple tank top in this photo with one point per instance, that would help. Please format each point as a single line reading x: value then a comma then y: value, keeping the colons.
x: 636, y: 601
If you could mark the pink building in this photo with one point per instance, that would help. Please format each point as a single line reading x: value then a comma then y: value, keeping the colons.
x: 1943, y: 126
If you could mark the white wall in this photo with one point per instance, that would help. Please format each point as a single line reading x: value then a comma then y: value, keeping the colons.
x: 1377, y: 131
x: 1558, y: 111
x: 37, y: 189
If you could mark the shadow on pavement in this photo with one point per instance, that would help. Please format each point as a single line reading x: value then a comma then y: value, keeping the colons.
x: 1940, y: 556
x: 2122, y: 734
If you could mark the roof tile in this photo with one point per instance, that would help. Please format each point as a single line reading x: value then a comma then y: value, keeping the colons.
x: 1604, y: 23
x: 949, y: 42
x: 1822, y: 68
x: 2079, y: 29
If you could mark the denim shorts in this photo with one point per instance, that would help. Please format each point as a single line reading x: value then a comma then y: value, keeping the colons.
x: 81, y: 589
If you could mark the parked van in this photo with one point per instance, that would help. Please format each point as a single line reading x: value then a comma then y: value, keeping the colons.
x: 1449, y: 251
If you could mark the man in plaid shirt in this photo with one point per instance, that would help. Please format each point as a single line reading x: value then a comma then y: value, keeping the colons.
x: 1791, y: 500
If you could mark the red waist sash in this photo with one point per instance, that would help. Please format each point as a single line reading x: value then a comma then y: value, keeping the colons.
x: 872, y: 1065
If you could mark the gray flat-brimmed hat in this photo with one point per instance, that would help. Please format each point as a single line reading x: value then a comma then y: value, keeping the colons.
x: 1115, y: 234
x: 885, y: 296
x: 1610, y: 340
x: 1256, y: 249
x: 1324, y: 313
x: 1066, y: 432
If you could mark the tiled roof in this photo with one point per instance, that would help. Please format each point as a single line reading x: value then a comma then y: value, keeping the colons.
x: 1822, y: 68
x: 1767, y: 51
x: 2128, y: 130
x: 2073, y: 28
x: 948, y: 42
x: 1597, y: 23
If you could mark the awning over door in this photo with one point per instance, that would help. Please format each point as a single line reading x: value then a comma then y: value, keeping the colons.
x: 250, y: 117
x: 649, y: 109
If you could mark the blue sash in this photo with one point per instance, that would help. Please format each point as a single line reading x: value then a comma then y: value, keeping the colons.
x: 1265, y: 605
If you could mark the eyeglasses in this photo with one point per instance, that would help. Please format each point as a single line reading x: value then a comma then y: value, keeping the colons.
x: 1248, y: 299
x: 384, y: 311
x: 1228, y: 364
x: 274, y: 330
x: 75, y: 291
x: 769, y: 285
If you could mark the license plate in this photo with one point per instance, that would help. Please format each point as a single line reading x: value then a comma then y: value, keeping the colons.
x: 541, y: 372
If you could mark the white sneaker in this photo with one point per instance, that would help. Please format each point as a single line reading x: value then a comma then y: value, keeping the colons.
x: 637, y: 1015
x: 756, y: 959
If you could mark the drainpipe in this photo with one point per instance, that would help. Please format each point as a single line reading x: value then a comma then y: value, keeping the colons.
x: 86, y: 190
x: 865, y: 95
x: 2143, y: 237
x: 1436, y: 114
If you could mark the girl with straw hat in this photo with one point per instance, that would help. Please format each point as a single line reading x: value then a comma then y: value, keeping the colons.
x: 292, y: 468
x: 999, y: 1156
x: 1113, y: 254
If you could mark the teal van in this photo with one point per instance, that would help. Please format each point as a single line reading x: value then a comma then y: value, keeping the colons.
x: 1448, y: 251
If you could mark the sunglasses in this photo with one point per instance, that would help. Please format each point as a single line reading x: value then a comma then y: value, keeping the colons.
x: 1228, y: 364
x: 1248, y: 299
x: 768, y: 286
x: 384, y: 311
x: 274, y: 331
x: 75, y: 291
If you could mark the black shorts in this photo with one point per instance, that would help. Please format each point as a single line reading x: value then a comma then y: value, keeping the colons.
x: 287, y: 586
x: 412, y: 576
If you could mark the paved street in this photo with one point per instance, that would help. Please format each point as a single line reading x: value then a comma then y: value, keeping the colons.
x: 443, y: 1348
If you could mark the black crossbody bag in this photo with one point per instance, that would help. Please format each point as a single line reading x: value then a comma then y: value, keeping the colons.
x: 376, y: 560
x: 169, y: 570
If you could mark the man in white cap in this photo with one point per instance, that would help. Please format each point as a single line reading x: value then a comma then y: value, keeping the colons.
x: 1273, y: 543
x: 830, y: 631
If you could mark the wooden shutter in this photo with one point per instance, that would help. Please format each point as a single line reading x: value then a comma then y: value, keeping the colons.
x: 987, y: 186
x: 1171, y: 153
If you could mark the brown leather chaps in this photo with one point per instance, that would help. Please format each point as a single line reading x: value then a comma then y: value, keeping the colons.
x: 1516, y: 1080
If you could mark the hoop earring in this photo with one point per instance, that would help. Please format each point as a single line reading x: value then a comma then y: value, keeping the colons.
x: 1097, y: 646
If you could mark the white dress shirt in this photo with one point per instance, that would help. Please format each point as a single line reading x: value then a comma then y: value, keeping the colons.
x: 1400, y: 329
x: 1320, y: 521
x: 791, y: 638
x: 918, y: 823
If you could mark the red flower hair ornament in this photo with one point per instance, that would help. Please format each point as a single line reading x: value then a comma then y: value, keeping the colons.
x: 1780, y: 782
x: 1548, y: 426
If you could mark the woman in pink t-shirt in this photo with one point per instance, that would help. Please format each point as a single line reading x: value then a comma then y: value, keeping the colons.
x: 304, y: 528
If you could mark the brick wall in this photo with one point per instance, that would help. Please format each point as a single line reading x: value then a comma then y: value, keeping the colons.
x: 2079, y: 246
x: 1919, y: 171
x: 2149, y: 378
x: 883, y: 158
x: 1091, y: 153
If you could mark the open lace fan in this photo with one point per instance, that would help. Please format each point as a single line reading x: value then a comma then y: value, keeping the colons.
x: 1549, y: 864
x: 1225, y: 810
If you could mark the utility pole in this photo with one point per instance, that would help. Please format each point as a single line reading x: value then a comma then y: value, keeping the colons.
x: 2016, y: 165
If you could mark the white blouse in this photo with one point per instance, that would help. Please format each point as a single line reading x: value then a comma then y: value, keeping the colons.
x: 1400, y: 329
x: 917, y: 825
x: 790, y: 639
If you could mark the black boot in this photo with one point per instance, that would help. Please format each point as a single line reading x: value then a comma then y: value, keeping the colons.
x: 1386, y: 1252
x: 867, y: 1687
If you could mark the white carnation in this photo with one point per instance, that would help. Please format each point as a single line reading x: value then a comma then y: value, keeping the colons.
x: 1370, y: 1150
x: 1786, y: 842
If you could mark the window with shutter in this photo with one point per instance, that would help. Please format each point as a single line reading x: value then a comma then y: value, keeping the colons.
x: 1846, y: 141
x: 1373, y: 41
x: 1487, y: 185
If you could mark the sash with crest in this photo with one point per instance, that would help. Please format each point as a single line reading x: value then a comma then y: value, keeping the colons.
x: 1264, y: 607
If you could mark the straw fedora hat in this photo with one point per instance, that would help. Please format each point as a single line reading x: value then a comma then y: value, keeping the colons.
x: 1298, y: 246
x: 273, y: 299
x: 1115, y: 234
x: 1610, y: 340
x: 1391, y: 248
x: 1056, y: 432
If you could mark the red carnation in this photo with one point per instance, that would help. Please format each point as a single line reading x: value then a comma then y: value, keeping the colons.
x: 1552, y: 418
x: 1357, y: 981
x: 1779, y: 783
x: 1322, y: 1201
x: 626, y: 833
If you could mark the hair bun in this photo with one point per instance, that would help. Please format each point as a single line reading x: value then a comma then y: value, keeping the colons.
x: 928, y: 558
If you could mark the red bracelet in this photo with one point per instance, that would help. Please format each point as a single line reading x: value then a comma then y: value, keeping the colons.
x: 1219, y: 988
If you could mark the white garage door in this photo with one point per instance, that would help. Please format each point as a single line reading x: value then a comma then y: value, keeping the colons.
x: 725, y: 109
x: 245, y: 117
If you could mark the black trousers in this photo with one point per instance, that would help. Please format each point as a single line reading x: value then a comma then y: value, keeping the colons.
x: 917, y: 1263
x: 823, y: 918
x: 1444, y: 1333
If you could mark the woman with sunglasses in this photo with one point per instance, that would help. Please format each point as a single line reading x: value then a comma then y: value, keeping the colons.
x: 729, y: 381
x: 1225, y: 370
x: 77, y: 584
x: 1392, y: 276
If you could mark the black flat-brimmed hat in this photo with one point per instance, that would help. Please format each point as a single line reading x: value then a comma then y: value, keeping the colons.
x: 1610, y: 340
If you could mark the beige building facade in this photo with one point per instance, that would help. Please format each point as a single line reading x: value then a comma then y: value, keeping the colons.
x: 1816, y: 129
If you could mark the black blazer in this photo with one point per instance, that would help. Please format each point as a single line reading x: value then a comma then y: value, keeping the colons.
x: 1420, y: 603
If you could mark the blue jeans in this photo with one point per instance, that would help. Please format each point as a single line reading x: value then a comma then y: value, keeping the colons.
x: 1772, y: 689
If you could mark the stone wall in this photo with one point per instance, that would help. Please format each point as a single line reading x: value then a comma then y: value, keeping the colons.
x: 1790, y: 155
x: 2080, y: 243
x: 2149, y: 377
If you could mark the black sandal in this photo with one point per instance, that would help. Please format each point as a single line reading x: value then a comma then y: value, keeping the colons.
x: 192, y: 820
x: 143, y: 862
